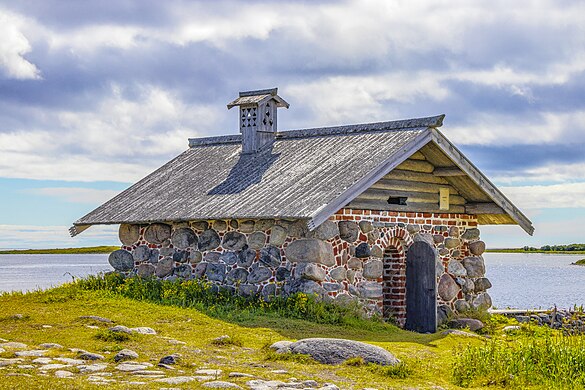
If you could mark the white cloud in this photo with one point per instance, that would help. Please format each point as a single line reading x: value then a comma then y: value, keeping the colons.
x: 77, y: 195
x: 28, y: 236
x: 13, y: 46
x: 554, y: 196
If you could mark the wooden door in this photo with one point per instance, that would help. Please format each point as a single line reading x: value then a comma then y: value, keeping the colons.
x: 421, y: 288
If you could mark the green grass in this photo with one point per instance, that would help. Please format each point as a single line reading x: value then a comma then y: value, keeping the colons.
x: 580, y: 262
x: 61, y: 251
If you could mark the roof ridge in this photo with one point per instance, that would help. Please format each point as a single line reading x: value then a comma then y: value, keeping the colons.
x: 404, y: 124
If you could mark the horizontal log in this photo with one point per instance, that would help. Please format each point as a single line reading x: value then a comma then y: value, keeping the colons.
x: 413, y: 196
x: 483, y: 208
x: 411, y: 207
x: 416, y: 166
x: 417, y: 156
x: 448, y: 171
x: 398, y: 174
x: 410, y: 186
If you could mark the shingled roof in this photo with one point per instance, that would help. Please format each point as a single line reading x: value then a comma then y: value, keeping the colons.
x: 304, y: 174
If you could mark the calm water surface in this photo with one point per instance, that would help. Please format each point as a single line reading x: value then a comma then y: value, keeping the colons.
x: 31, y: 272
x: 519, y: 280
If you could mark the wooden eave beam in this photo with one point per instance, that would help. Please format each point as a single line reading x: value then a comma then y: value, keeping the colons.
x: 448, y: 171
x: 483, y: 208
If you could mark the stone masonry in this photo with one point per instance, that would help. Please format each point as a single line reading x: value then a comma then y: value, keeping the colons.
x: 355, y: 255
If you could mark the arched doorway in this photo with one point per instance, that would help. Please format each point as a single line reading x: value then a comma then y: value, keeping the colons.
x: 421, y: 288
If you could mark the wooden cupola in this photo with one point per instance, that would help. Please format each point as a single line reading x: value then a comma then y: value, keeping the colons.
x: 258, y: 123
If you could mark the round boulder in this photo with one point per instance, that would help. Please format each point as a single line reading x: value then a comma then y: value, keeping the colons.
x: 476, y: 247
x: 270, y: 256
x: 483, y: 301
x: 215, y: 272
x: 237, y: 276
x: 234, y: 241
x: 257, y: 240
x: 246, y: 257
x: 447, y: 289
x: 336, y: 351
x: 311, y: 271
x: 373, y: 269
x: 277, y: 235
x: 184, y: 238
x: 164, y: 267
x: 310, y: 250
x: 475, y: 266
x: 121, y: 260
x: 208, y: 240
x: 229, y: 258
x: 145, y: 270
x: 157, y: 233
x: 326, y: 230
x: 259, y: 274
x: 141, y: 253
x: 362, y: 250
x: 129, y: 233
x: 471, y: 234
x: 338, y: 273
x: 455, y: 268
x: 482, y: 284
x: 348, y: 230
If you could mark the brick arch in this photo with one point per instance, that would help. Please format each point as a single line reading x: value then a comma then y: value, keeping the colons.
x: 394, y: 279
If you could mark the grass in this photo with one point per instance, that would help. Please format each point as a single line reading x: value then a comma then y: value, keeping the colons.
x: 200, y: 316
x: 61, y: 251
x: 580, y: 262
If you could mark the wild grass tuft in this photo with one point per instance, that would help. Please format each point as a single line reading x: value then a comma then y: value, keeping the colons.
x: 543, y: 359
x: 108, y: 335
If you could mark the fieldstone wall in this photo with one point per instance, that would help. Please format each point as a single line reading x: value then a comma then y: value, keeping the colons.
x: 355, y: 255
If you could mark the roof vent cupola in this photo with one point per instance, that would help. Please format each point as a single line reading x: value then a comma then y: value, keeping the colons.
x: 258, y: 117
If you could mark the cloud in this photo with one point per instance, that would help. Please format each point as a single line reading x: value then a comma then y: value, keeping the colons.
x: 29, y: 236
x: 566, y: 195
x: 77, y: 195
x: 13, y: 46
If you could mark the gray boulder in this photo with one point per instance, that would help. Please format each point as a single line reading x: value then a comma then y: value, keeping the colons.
x: 370, y: 290
x: 157, y: 233
x: 259, y: 274
x: 447, y: 288
x: 145, y: 270
x: 455, y: 268
x: 125, y: 354
x: 348, y: 230
x: 362, y: 250
x: 476, y: 247
x: 121, y: 260
x: 229, y: 258
x: 208, y: 240
x: 215, y: 272
x: 336, y: 351
x: 475, y: 266
x: 164, y: 267
x: 129, y: 234
x: 310, y: 250
x: 471, y: 323
x: 312, y: 271
x: 270, y: 256
x: 277, y: 235
x: 237, y: 276
x: 338, y: 273
x: 184, y: 238
x: 141, y: 253
x: 326, y: 230
x: 482, y: 284
x: 256, y: 240
x: 246, y: 257
x: 471, y: 234
x: 234, y: 241
x: 373, y: 269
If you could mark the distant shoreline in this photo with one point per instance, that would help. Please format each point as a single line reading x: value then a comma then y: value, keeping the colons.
x: 521, y: 250
x: 61, y: 251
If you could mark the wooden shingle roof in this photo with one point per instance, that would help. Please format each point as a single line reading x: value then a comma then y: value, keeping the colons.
x: 305, y: 174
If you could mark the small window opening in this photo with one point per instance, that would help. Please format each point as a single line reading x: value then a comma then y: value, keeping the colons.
x: 400, y: 200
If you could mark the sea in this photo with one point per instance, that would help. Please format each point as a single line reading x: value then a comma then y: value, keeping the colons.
x: 520, y: 280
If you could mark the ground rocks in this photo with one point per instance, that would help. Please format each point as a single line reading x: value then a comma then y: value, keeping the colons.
x: 336, y: 351
x: 220, y: 385
x: 125, y: 354
x: 471, y: 323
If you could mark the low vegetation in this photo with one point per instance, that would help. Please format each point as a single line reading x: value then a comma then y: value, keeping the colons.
x: 580, y: 262
x: 213, y: 329
x: 61, y: 251
x: 559, y: 249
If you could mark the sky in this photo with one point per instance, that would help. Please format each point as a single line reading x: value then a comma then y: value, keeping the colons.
x: 94, y: 94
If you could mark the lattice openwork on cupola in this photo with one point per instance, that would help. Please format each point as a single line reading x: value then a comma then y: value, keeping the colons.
x: 248, y: 117
x: 268, y: 114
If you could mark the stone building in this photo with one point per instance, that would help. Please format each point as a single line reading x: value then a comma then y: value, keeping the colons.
x: 385, y: 214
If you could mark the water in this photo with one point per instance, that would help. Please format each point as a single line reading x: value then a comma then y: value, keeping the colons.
x: 535, y: 280
x: 521, y: 281
x: 31, y: 272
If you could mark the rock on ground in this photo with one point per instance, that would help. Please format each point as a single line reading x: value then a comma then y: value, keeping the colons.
x: 471, y: 323
x: 336, y: 351
x: 221, y: 385
x: 125, y: 354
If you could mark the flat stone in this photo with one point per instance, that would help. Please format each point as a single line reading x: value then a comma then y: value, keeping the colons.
x: 270, y: 255
x: 120, y: 329
x: 164, y: 267
x: 511, y: 328
x: 373, y: 269
x: 148, y: 372
x: 230, y: 258
x: 210, y: 372
x: 176, y: 380
x: 26, y: 366
x: 91, y: 356
x: 281, y: 346
x: 234, y: 241
x: 87, y: 368
x: 376, y: 251
x: 73, y: 362
x: 9, y: 362
x: 259, y: 274
x: 475, y: 266
x: 247, y: 226
x: 220, y: 385
x: 208, y: 240
x: 125, y: 354
x: 338, y: 273
x: 121, y: 260
x: 63, y: 374
x: 470, y: 234
x: 447, y: 288
x: 277, y: 235
x: 336, y: 351
x: 42, y: 360
x: 143, y: 330
x: 48, y: 367
x: 457, y: 332
x: 348, y: 230
x: 35, y: 353
x: 326, y: 230
x: 157, y: 233
x: 355, y: 263
x: 200, y: 225
x: 219, y: 225
x: 240, y: 375
x: 129, y: 234
x: 256, y: 240
x: 129, y: 367
x: 476, y: 248
x: 455, y: 268
x: 264, y: 224
x: 310, y: 250
x: 165, y: 366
